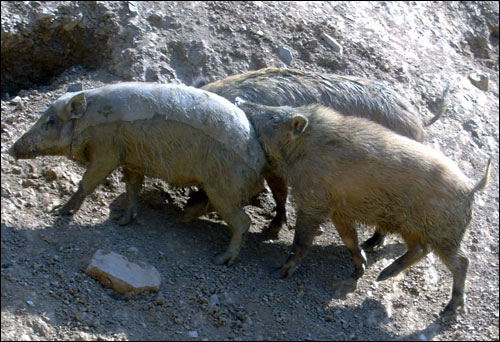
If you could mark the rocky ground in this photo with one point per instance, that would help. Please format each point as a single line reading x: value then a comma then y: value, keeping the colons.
x: 413, y: 46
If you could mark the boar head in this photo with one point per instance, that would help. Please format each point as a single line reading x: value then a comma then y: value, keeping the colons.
x: 53, y: 132
x: 278, y: 128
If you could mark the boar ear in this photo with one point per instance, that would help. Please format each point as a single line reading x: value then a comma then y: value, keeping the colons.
x: 76, y: 106
x: 298, y: 125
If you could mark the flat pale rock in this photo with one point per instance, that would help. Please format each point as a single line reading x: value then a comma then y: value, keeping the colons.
x: 115, y: 271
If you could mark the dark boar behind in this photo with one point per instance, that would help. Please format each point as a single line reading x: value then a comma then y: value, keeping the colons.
x: 351, y: 96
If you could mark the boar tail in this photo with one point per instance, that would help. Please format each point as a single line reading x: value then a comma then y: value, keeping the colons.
x: 444, y: 105
x: 484, y: 181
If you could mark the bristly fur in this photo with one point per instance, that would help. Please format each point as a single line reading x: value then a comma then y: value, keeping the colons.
x: 352, y: 170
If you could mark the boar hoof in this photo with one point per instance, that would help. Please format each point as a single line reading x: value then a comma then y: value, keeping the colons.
x: 125, y: 219
x: 270, y: 235
x: 286, y: 271
x: 274, y: 228
x: 225, y: 258
x: 377, y: 240
x: 450, y: 310
x: 358, y: 272
x: 61, y: 210
x: 387, y: 273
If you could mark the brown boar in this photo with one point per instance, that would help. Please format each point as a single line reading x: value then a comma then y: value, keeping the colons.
x: 353, y: 170
x: 348, y: 95
x: 182, y: 135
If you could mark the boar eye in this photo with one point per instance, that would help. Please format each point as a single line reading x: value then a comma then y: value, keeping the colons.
x: 49, y: 123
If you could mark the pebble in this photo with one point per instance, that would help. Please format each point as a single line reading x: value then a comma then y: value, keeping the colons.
x: 49, y: 174
x: 480, y: 81
x: 114, y: 270
x: 17, y: 102
x: 133, y: 250
x: 285, y: 54
x: 39, y: 326
x: 75, y: 87
x: 213, y: 301
x: 332, y: 42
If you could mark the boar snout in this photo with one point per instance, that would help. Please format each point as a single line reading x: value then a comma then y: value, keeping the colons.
x: 14, y: 151
x: 11, y: 152
x: 22, y: 150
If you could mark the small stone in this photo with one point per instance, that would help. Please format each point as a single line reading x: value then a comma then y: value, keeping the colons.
x: 193, y: 333
x: 115, y: 271
x: 75, y: 87
x: 17, y: 101
x: 73, y: 22
x: 133, y: 250
x: 332, y: 42
x: 132, y: 7
x: 45, y: 15
x: 49, y: 174
x: 28, y: 183
x: 39, y: 326
x: 480, y: 80
x: 213, y: 301
x: 285, y: 54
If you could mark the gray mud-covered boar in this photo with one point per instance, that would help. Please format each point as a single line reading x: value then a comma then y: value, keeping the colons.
x: 351, y: 170
x: 182, y: 135
x: 352, y: 96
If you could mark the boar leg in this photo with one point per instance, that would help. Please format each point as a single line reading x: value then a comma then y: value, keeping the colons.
x: 305, y: 231
x: 196, y: 206
x: 133, y: 183
x: 198, y: 203
x: 237, y: 220
x: 349, y: 236
x: 279, y: 189
x: 456, y: 261
x: 416, y: 251
x: 96, y: 173
x: 377, y: 240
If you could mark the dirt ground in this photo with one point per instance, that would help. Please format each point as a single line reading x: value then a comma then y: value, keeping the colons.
x: 413, y: 47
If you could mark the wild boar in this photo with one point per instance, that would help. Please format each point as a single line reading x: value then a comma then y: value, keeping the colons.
x: 352, y: 170
x: 176, y: 133
x: 348, y: 95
